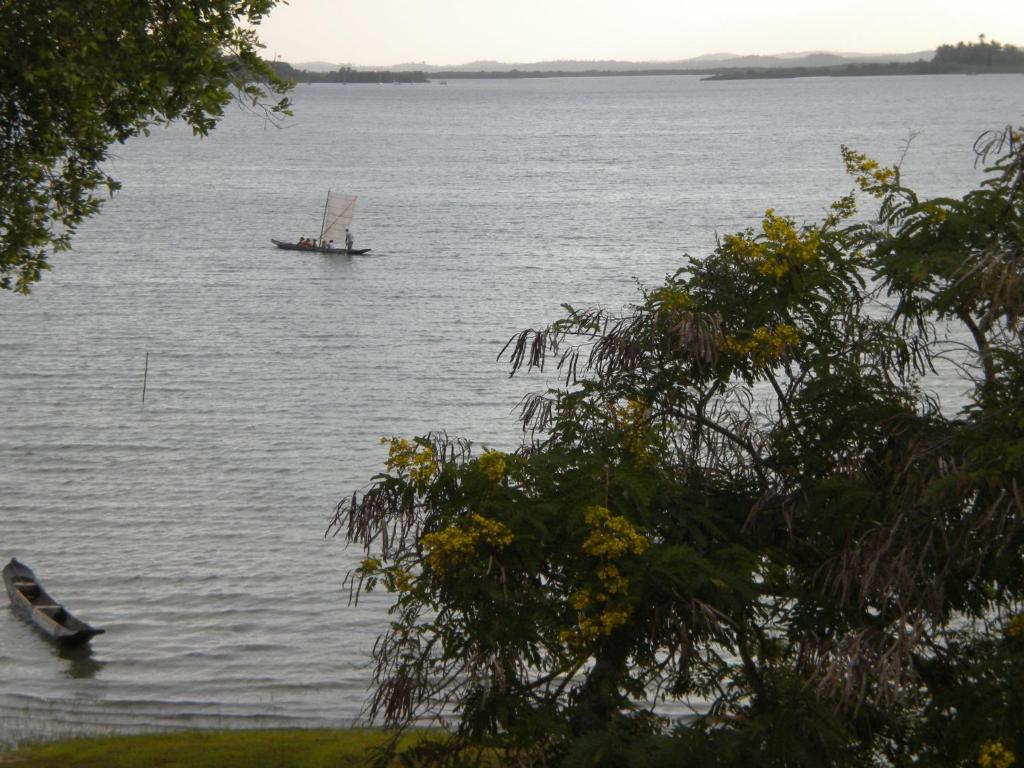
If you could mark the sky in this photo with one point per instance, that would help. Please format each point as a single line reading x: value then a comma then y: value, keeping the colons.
x: 450, y: 32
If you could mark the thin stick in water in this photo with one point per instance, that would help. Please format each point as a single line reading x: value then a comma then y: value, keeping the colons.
x: 144, y: 377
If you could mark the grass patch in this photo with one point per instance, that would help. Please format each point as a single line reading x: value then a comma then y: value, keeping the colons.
x: 211, y: 749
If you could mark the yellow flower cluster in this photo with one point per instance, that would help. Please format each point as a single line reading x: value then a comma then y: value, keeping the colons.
x: 994, y: 755
x: 592, y: 627
x: 632, y: 420
x: 872, y: 178
x: 765, y: 345
x: 936, y: 212
x: 395, y: 577
x: 611, y: 535
x: 671, y: 298
x: 369, y: 565
x: 492, y: 463
x: 1016, y: 626
x: 581, y: 599
x: 401, y: 579
x: 782, y: 247
x: 601, y: 611
x: 449, y: 548
x: 842, y: 209
x: 746, y: 246
x: 418, y: 461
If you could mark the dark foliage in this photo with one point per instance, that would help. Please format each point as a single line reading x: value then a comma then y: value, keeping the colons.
x: 77, y: 76
x: 743, y: 500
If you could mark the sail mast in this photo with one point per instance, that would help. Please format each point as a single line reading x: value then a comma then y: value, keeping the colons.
x: 323, y: 223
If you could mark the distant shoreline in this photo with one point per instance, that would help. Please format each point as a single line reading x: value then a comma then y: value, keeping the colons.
x: 765, y: 73
x: 517, y: 74
x: 983, y: 57
x: 705, y: 75
x: 864, y: 70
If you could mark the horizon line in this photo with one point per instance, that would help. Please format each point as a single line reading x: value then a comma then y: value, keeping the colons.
x: 707, y: 56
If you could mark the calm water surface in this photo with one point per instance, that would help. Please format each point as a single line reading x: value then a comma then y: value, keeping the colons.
x: 192, y: 527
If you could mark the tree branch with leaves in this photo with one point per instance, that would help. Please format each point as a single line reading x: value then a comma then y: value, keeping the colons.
x: 78, y: 76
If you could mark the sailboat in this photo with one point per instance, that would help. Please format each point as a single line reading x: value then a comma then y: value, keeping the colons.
x: 338, y: 212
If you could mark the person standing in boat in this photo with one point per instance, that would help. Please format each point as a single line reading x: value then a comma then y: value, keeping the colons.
x: 348, y: 240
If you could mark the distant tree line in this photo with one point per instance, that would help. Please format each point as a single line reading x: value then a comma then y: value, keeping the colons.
x: 843, y: 70
x: 962, y: 58
x: 982, y: 54
x: 512, y: 74
x: 346, y: 75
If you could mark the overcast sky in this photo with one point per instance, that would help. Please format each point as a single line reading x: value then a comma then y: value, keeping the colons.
x: 384, y: 32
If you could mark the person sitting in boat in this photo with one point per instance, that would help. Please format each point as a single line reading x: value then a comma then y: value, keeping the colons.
x: 330, y: 244
x: 348, y: 240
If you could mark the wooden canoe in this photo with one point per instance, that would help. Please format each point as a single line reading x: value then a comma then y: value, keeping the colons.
x: 319, y: 249
x: 52, y: 619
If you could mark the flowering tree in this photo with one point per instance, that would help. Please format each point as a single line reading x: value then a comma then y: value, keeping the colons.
x: 745, y: 500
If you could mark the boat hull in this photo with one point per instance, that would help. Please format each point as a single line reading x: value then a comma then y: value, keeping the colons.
x: 35, y: 605
x: 320, y: 249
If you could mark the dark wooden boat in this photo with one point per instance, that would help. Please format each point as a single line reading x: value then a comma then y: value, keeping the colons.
x: 319, y: 249
x: 337, y: 218
x: 33, y: 602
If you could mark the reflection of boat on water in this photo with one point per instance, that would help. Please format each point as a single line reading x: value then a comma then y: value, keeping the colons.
x: 47, y: 615
x: 338, y: 213
x: 81, y: 664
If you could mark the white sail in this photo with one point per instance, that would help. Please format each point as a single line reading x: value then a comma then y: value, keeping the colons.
x: 337, y: 218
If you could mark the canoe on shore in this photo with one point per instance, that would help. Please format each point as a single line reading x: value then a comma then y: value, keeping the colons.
x: 34, y: 603
x: 319, y: 249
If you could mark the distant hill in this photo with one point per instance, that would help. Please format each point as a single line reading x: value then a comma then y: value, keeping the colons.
x: 705, y: 62
x: 816, y: 59
x: 962, y: 58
